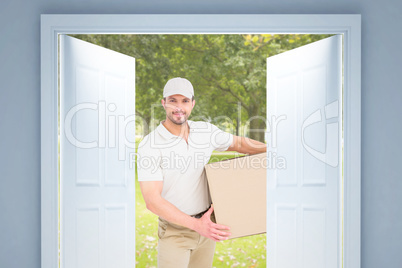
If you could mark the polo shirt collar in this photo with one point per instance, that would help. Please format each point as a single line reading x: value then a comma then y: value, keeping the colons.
x: 166, y: 133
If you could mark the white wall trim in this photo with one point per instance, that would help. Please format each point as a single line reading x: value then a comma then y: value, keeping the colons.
x: 348, y: 25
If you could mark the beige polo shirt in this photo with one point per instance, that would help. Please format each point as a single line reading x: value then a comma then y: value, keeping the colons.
x: 162, y: 156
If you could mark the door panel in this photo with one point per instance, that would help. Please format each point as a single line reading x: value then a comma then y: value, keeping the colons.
x: 96, y: 141
x: 304, y: 197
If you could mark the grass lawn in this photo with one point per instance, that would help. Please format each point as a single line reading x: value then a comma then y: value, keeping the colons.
x: 240, y: 252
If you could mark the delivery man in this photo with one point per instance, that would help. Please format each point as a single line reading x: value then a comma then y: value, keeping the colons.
x: 170, y: 164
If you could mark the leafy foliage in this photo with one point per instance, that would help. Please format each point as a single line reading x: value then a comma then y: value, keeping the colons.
x: 228, y: 72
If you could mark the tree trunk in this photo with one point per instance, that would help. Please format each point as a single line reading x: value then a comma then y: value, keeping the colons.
x: 237, y: 126
x: 145, y: 122
x: 256, y: 124
x: 145, y: 127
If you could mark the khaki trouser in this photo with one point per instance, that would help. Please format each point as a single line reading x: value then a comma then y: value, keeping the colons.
x: 180, y: 247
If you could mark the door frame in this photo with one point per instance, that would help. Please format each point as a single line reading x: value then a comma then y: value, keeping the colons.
x: 348, y: 25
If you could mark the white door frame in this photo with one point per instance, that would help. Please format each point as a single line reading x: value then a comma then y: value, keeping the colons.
x: 53, y: 25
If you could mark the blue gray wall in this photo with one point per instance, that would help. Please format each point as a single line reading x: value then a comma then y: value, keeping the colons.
x: 20, y: 112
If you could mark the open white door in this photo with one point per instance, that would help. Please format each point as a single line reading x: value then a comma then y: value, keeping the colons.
x: 97, y: 181
x: 304, y: 198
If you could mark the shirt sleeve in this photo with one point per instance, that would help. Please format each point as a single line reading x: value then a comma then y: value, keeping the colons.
x: 148, y: 162
x: 220, y: 140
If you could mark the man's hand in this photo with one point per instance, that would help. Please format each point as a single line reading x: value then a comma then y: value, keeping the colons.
x: 151, y: 191
x: 207, y: 228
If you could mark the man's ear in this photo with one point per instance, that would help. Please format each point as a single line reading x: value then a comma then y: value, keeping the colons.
x: 163, y: 103
x: 193, y: 103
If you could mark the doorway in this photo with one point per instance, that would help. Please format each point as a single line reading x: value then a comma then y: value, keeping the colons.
x: 243, y: 58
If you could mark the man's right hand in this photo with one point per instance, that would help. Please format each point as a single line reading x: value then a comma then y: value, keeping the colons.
x: 208, y: 228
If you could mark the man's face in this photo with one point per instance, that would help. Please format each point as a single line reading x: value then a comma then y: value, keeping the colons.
x: 178, y: 108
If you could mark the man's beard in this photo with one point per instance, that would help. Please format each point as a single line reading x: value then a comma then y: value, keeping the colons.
x: 180, y: 121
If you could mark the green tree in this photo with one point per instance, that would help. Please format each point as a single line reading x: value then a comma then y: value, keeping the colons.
x: 228, y: 71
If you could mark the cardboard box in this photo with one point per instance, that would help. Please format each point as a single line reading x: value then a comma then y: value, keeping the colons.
x: 238, y: 191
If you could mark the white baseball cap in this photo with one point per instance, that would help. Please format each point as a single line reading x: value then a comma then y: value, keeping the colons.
x: 180, y: 86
